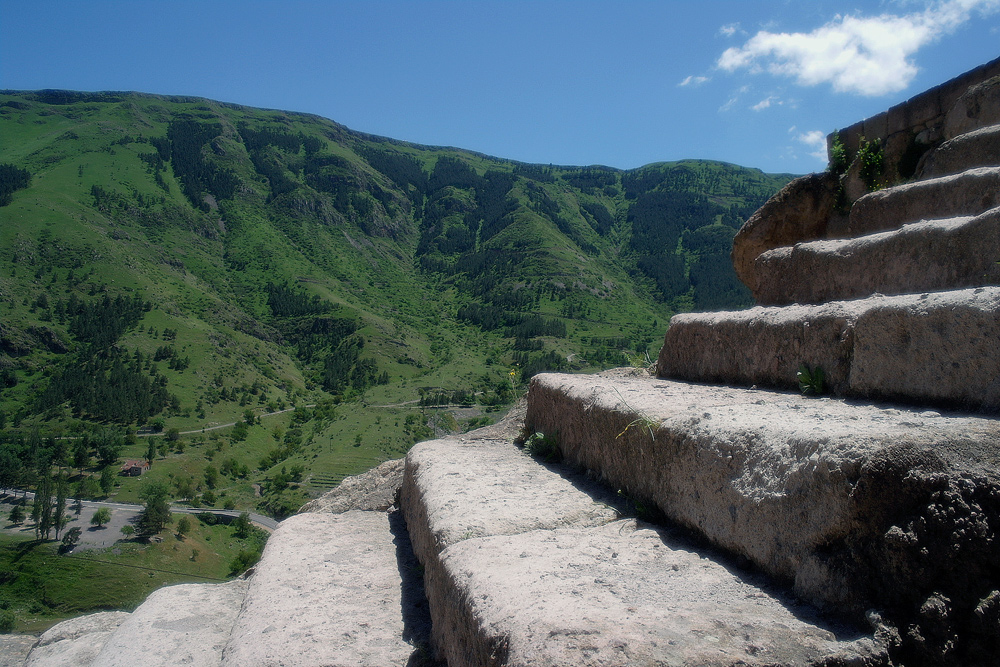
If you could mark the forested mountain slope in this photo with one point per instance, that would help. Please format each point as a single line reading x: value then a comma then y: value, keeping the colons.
x: 176, y: 263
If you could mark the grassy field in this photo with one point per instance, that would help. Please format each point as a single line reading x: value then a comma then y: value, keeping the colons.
x: 40, y: 587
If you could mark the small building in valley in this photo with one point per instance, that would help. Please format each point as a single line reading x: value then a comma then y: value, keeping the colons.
x: 135, y: 468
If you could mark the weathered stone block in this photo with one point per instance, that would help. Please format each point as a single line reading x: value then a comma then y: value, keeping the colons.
x: 463, y: 488
x: 187, y: 624
x: 964, y: 194
x: 626, y: 595
x: 14, y: 650
x: 860, y: 505
x: 799, y: 212
x: 925, y: 256
x: 897, y: 120
x: 978, y: 107
x: 459, y: 489
x: 327, y: 591
x: 374, y: 489
x: 851, y: 137
x: 938, y: 348
x: 935, y: 348
x: 979, y: 148
x: 876, y: 127
x: 760, y: 345
x: 76, y: 641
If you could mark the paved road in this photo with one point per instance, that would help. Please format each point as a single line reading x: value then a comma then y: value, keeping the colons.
x: 257, y: 519
x: 92, y: 537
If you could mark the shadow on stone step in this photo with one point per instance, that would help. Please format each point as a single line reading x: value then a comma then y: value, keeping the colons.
x: 413, y: 601
x: 678, y: 537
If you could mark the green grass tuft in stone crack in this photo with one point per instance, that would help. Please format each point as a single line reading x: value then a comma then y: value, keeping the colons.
x: 643, y: 420
x: 640, y: 509
x: 641, y: 362
x: 543, y: 446
x: 812, y: 381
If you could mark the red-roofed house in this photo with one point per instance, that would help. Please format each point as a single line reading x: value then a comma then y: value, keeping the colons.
x: 135, y: 468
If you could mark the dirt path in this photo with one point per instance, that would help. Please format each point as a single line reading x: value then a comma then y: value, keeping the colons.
x: 205, y: 429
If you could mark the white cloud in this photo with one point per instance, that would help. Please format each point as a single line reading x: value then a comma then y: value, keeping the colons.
x: 734, y: 98
x: 693, y: 81
x: 765, y: 103
x: 856, y: 54
x: 814, y: 140
x: 730, y: 29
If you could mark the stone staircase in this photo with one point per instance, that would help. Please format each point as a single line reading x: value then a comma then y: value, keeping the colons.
x: 707, y: 515
x: 513, y: 561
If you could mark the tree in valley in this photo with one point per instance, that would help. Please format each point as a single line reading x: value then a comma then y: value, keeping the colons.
x: 242, y: 525
x: 183, y: 527
x: 81, y: 454
x: 70, y: 539
x: 59, y: 518
x: 109, y: 445
x: 101, y: 517
x: 41, y: 509
x: 185, y: 487
x: 11, y: 466
x: 211, y: 476
x: 156, y: 513
x: 107, y: 480
x: 12, y: 178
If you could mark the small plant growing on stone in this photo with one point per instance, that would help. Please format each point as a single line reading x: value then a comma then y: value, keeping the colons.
x: 638, y: 507
x: 838, y: 156
x: 871, y: 158
x: 514, y: 379
x: 641, y: 362
x: 643, y: 421
x: 811, y: 380
x: 542, y: 446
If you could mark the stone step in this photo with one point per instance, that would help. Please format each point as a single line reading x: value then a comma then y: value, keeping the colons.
x: 14, y: 650
x: 923, y: 256
x: 330, y: 589
x: 187, y: 624
x: 529, y: 565
x: 75, y: 642
x: 936, y: 348
x: 979, y: 148
x: 968, y: 193
x: 859, y: 506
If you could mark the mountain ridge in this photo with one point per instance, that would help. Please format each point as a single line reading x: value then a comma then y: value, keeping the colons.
x: 360, y: 133
x: 284, y: 259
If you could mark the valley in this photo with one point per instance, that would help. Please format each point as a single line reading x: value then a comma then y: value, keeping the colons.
x: 171, y: 265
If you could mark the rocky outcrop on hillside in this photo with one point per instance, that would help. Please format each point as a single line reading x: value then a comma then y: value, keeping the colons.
x: 707, y: 515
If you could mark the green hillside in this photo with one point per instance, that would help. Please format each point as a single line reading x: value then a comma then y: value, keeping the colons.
x: 172, y: 264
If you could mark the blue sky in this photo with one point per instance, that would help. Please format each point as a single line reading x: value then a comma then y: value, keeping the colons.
x: 584, y: 82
